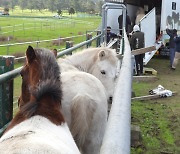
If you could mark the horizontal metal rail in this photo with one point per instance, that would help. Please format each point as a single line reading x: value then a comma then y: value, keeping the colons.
x: 117, y: 134
x: 12, y: 44
x: 12, y: 74
x: 69, y: 50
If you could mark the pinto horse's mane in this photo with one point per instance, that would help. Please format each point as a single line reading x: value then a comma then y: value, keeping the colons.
x: 47, y: 92
x: 49, y: 81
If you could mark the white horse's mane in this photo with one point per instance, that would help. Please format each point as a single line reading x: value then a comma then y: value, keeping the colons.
x: 85, y: 59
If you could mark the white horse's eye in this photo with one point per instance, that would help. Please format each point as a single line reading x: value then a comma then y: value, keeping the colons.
x: 103, y: 72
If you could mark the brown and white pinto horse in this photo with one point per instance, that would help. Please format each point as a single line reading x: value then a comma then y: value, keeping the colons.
x: 39, y: 126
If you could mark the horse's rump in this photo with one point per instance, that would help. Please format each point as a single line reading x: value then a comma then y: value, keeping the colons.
x: 84, y: 107
x: 82, y: 111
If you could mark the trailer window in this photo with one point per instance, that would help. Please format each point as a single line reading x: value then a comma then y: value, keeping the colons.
x: 173, y: 5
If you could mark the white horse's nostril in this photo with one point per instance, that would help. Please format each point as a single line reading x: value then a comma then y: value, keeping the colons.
x: 110, y: 98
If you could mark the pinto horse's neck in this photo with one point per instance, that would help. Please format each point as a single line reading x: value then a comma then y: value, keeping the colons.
x: 46, y: 107
x: 42, y: 85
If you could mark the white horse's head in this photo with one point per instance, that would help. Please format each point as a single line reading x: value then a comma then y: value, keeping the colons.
x: 105, y: 69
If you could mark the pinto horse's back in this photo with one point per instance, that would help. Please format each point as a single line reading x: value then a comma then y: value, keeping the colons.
x: 38, y: 135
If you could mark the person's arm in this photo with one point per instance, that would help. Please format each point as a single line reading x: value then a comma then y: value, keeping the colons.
x: 113, y: 35
x: 177, y: 39
x: 169, y: 32
x: 128, y: 20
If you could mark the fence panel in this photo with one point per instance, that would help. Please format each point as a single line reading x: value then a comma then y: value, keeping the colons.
x: 6, y: 91
x: 117, y: 135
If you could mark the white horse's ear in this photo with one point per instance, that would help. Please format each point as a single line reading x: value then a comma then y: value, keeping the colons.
x: 54, y: 51
x: 102, y: 54
x: 30, y: 54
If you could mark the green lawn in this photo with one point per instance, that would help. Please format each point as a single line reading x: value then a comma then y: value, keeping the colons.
x: 159, y: 118
x: 27, y: 29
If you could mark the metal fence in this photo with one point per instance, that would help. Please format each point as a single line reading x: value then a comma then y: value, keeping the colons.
x: 117, y: 134
x: 37, y: 42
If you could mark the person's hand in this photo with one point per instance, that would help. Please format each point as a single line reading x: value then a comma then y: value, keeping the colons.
x: 130, y: 34
x: 119, y: 36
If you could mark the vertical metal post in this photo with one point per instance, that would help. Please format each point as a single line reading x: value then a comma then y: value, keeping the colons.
x: 69, y: 44
x: 34, y: 26
x: 8, y: 46
x: 88, y: 37
x: 23, y: 29
x: 124, y: 20
x: 37, y: 45
x: 41, y: 26
x: 13, y: 30
x: 6, y: 92
x: 59, y: 41
x: 98, y: 41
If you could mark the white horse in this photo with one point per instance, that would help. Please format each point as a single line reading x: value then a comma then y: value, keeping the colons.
x: 39, y: 127
x: 87, y: 99
x: 100, y: 62
x: 84, y: 106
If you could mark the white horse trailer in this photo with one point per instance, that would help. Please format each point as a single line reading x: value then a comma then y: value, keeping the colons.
x: 159, y: 15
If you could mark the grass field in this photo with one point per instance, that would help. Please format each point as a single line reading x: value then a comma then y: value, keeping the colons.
x: 30, y: 26
x: 159, y: 118
x: 27, y: 29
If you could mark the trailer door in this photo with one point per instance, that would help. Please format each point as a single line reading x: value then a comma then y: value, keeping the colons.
x: 148, y: 26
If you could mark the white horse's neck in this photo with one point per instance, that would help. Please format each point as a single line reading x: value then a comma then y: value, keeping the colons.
x: 83, y: 60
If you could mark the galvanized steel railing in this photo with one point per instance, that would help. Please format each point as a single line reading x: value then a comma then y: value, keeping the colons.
x: 117, y: 134
x: 15, y: 73
x: 69, y: 50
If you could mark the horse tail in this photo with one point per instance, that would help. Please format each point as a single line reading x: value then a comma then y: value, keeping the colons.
x: 82, y: 110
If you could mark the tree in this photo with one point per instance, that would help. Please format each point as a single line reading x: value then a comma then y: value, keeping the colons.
x: 6, y: 11
x: 5, y: 3
x: 99, y: 7
x: 39, y: 4
x: 13, y: 4
x: 71, y: 11
x: 90, y: 7
x: 51, y: 5
x: 59, y: 12
x: 23, y: 4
